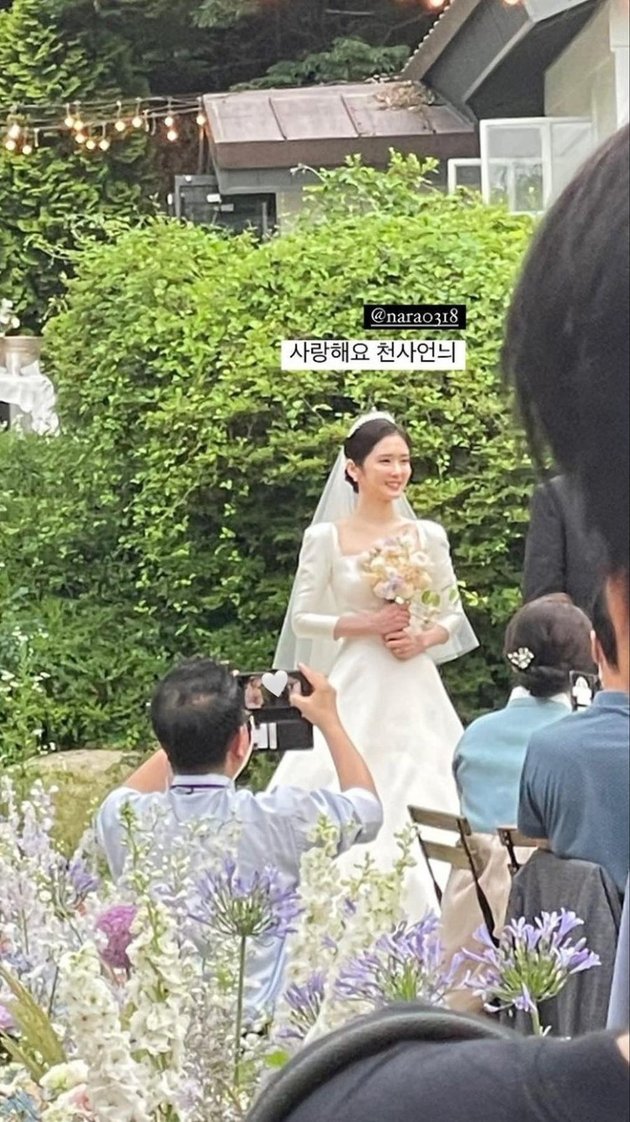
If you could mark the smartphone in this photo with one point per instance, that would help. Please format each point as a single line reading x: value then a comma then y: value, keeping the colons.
x: 276, y: 724
x: 583, y: 689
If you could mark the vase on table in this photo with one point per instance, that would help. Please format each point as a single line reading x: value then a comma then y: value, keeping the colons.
x: 18, y: 351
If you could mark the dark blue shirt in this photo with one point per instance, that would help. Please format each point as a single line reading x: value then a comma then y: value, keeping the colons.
x: 574, y: 785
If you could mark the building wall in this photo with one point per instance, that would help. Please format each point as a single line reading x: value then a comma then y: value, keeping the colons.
x: 588, y: 78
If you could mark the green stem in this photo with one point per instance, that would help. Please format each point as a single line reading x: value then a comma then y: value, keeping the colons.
x: 536, y: 1025
x: 239, y: 1008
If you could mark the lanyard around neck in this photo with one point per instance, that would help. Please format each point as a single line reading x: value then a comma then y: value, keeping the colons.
x: 190, y: 787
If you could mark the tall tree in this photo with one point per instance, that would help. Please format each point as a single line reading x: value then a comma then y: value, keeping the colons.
x: 50, y: 195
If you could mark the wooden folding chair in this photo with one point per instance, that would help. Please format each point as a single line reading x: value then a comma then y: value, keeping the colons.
x: 513, y: 839
x: 459, y: 855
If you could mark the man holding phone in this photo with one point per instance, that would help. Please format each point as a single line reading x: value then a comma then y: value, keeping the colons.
x: 200, y: 721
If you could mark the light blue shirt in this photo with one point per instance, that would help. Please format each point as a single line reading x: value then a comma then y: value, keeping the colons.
x: 575, y: 782
x: 274, y: 828
x: 489, y: 758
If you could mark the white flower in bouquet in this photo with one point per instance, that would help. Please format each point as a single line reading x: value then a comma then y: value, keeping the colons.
x: 399, y: 571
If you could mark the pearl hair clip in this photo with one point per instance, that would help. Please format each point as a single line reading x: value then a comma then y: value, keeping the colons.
x: 521, y: 659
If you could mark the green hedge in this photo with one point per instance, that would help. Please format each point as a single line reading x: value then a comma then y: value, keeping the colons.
x: 191, y: 464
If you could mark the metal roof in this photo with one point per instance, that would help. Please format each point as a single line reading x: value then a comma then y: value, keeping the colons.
x: 489, y: 60
x: 321, y: 125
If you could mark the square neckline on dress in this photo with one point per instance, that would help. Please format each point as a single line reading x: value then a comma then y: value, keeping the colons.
x: 376, y: 541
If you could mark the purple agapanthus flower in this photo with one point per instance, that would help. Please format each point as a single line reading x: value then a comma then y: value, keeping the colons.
x: 260, y: 904
x: 405, y: 965
x: 532, y: 963
x: 115, y: 924
x: 305, y: 1002
x: 82, y: 879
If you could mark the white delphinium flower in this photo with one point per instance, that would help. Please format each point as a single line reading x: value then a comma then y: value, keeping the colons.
x: 158, y: 1002
x: 45, y: 899
x: 115, y: 1081
x: 65, y: 1086
x: 313, y: 946
x: 374, y: 903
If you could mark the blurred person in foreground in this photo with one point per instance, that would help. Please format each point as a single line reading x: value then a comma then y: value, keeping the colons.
x: 567, y: 354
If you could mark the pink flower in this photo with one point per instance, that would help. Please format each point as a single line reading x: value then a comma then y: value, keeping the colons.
x: 116, y: 925
x: 6, y: 1020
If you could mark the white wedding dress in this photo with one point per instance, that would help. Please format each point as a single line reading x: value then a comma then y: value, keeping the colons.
x: 397, y: 713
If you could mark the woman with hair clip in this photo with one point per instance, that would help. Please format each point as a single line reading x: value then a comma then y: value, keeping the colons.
x: 546, y: 640
x: 379, y: 647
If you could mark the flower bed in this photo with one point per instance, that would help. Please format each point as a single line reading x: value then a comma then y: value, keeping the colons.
x: 128, y: 1002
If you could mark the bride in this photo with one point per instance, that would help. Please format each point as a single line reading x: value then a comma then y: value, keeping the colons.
x: 380, y: 657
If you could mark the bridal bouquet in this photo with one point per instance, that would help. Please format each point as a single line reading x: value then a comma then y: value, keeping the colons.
x: 399, y: 571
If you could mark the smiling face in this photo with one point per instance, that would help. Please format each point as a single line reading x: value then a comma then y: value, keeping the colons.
x: 386, y: 470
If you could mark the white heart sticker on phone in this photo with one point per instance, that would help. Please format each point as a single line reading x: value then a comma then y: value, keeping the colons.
x: 275, y: 683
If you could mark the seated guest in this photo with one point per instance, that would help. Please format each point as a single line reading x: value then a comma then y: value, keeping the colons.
x: 199, y: 719
x: 544, y: 642
x: 574, y: 786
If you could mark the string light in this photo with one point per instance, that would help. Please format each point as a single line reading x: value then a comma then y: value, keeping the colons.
x: 169, y: 120
x: 137, y: 121
x: 95, y: 125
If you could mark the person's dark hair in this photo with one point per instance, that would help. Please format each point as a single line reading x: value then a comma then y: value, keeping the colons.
x: 567, y: 342
x: 359, y: 444
x: 544, y: 642
x: 603, y: 628
x: 195, y: 711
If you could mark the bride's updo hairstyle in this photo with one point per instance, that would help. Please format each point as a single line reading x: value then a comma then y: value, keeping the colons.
x: 363, y: 441
x: 545, y: 641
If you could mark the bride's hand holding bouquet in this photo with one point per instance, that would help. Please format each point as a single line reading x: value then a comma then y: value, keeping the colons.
x: 400, y: 574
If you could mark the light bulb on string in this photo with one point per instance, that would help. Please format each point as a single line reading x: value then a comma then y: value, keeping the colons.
x: 90, y: 144
x: 69, y: 118
x: 119, y: 124
x: 169, y: 120
x: 435, y: 4
x: 201, y: 117
x: 80, y: 137
x: 14, y: 131
x: 172, y: 135
x: 77, y: 124
x: 137, y: 121
x: 10, y: 144
x: 27, y: 148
